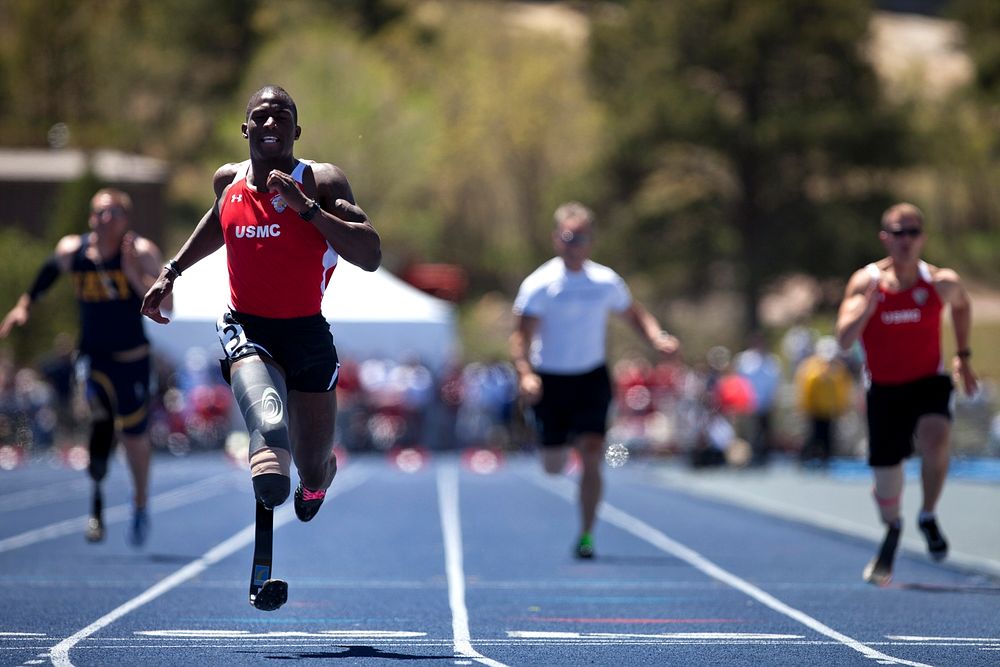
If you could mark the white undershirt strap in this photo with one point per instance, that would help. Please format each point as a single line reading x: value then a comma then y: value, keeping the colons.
x: 925, y: 271
x: 300, y: 167
x: 242, y: 169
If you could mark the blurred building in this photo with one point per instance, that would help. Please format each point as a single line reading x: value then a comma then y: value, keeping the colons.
x: 30, y: 181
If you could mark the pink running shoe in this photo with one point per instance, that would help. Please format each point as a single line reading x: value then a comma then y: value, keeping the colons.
x: 307, y: 502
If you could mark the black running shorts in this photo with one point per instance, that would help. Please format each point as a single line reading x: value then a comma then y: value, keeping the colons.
x: 572, y: 405
x: 893, y: 412
x: 302, y: 346
x: 120, y: 387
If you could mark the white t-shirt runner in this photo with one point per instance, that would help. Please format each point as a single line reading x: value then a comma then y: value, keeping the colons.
x: 572, y: 308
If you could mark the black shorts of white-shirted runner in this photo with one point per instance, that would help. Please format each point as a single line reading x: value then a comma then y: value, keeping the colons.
x: 572, y: 405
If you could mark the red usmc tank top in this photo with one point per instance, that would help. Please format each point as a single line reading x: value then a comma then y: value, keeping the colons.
x: 902, y: 340
x: 279, y: 264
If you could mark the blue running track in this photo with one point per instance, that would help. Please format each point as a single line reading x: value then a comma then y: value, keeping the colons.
x: 437, y: 564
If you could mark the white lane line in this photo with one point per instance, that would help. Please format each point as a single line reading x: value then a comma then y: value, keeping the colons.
x: 60, y: 652
x: 451, y: 528
x: 785, y: 510
x: 178, y: 497
x: 721, y: 636
x: 644, y: 531
x: 908, y: 638
x: 246, y: 634
x: 39, y: 495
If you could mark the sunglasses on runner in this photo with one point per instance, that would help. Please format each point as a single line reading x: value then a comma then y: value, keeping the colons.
x: 569, y: 238
x: 912, y: 232
x: 113, y: 211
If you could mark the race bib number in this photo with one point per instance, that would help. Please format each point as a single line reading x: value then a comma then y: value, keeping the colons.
x: 233, y: 338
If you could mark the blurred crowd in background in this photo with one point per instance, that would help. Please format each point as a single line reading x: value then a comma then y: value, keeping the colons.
x: 802, y: 400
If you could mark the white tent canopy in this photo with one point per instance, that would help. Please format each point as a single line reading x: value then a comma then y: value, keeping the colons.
x: 372, y: 315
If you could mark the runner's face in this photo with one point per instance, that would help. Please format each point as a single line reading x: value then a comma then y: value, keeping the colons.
x: 270, y: 129
x: 573, y: 240
x: 108, y: 216
x: 903, y: 239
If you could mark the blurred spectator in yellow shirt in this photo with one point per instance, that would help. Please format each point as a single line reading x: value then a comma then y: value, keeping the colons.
x: 825, y: 387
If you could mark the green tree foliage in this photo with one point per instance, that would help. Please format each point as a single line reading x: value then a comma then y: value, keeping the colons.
x: 517, y: 131
x: 21, y: 256
x: 751, y: 132
x: 46, y: 66
x: 125, y: 73
x: 960, y: 135
x: 981, y: 21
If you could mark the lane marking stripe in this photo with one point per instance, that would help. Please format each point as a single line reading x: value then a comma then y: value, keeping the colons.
x: 451, y: 528
x: 746, y: 499
x: 246, y: 634
x: 39, y: 495
x: 174, y: 498
x: 907, y: 638
x: 60, y: 652
x: 645, y: 532
x: 666, y: 635
x: 631, y: 621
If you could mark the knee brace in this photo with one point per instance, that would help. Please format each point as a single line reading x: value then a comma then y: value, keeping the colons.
x: 271, y: 489
x: 263, y: 408
x: 102, y: 439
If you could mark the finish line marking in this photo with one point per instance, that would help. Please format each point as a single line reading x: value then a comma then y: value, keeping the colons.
x: 566, y: 489
x: 907, y: 638
x: 721, y: 636
x: 246, y: 634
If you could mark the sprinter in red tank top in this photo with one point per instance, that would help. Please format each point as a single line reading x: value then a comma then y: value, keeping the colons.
x: 894, y: 307
x: 285, y: 224
x: 262, y: 230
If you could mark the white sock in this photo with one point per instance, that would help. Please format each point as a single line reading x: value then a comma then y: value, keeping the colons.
x: 925, y: 516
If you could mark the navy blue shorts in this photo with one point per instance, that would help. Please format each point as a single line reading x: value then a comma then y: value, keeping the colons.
x: 119, y: 388
x: 893, y: 412
x: 572, y: 405
x: 302, y: 346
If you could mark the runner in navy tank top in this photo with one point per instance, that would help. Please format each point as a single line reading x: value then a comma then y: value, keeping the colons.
x: 285, y: 224
x: 894, y: 307
x: 110, y: 268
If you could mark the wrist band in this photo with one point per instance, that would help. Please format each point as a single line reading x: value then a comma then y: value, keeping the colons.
x: 964, y: 354
x: 310, y: 212
x: 171, y: 266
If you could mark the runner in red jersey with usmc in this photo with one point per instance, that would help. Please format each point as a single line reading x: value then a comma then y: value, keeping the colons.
x: 894, y: 306
x: 285, y: 224
x: 278, y: 266
x: 902, y: 339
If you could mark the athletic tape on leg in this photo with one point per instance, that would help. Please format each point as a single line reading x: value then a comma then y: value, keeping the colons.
x: 886, y: 502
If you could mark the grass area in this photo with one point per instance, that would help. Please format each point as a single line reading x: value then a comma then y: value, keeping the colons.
x: 985, y: 352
